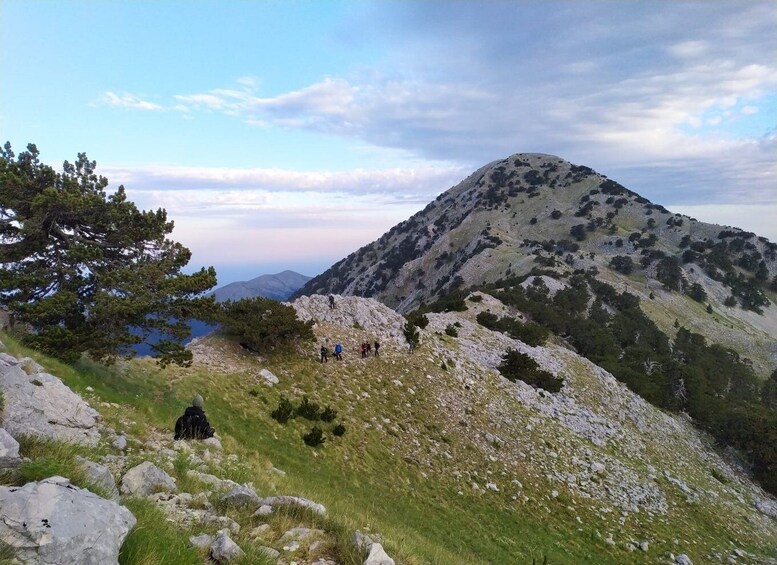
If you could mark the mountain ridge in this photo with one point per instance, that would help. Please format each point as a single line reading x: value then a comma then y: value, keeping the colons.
x: 278, y: 286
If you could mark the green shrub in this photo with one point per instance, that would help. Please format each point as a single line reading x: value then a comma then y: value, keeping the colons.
x: 329, y: 414
x: 284, y: 411
x: 339, y: 430
x: 262, y: 324
x: 308, y: 410
x: 451, y: 330
x: 314, y: 437
x: 519, y: 366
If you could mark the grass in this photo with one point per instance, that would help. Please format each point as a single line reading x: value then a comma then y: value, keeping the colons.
x: 367, y: 478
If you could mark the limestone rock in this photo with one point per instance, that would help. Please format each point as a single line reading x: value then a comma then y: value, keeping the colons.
x: 146, y: 479
x: 202, y: 541
x: 300, y: 534
x: 120, y: 443
x: 41, y: 405
x: 9, y: 451
x: 223, y: 549
x: 264, y: 510
x: 100, y: 476
x: 268, y: 377
x: 683, y: 559
x: 242, y: 495
x: 212, y: 480
x: 378, y: 556
x: 269, y: 552
x: 294, y: 501
x: 52, y: 521
x: 767, y: 507
x: 213, y: 442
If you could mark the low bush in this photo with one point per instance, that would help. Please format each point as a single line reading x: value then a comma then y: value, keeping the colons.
x: 308, y: 410
x: 329, y: 414
x: 519, y: 366
x: 314, y: 437
x: 338, y: 430
x: 284, y: 412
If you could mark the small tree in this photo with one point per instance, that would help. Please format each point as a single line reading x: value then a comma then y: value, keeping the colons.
x: 314, y: 437
x: 412, y: 335
x: 284, y: 412
x: 519, y: 366
x: 263, y: 324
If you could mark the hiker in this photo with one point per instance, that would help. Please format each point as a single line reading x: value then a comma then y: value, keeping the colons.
x: 369, y: 347
x: 331, y: 302
x: 377, y: 347
x: 324, y: 354
x: 193, y: 424
x: 338, y: 351
x: 364, y: 350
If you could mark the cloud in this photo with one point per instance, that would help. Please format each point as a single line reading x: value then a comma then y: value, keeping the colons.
x: 126, y: 101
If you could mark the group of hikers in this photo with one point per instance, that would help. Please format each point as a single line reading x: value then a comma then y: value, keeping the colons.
x: 365, y: 348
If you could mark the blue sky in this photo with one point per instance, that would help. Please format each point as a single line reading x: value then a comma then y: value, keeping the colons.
x: 288, y: 134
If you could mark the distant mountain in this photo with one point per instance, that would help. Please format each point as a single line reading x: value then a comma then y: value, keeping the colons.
x: 278, y: 287
x: 536, y: 212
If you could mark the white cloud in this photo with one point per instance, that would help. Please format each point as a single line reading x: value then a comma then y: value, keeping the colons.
x: 749, y: 110
x: 126, y: 101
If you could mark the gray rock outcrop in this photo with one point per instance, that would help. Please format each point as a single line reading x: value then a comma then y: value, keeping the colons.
x: 242, y: 495
x: 146, y: 479
x: 378, y: 556
x: 52, y: 521
x: 294, y: 501
x: 40, y: 405
x: 9, y: 451
x: 100, y: 476
x: 224, y: 549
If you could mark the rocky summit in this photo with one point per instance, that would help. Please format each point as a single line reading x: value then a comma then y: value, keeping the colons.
x: 534, y: 211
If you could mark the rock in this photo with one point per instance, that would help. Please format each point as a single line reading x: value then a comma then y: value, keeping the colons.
x: 223, y: 549
x: 7, y: 360
x: 242, y: 495
x: 212, y: 480
x: 264, y: 510
x: 146, y: 479
x: 9, y: 451
x: 100, y: 476
x: 683, y: 559
x: 223, y: 522
x: 378, y: 556
x: 644, y: 546
x: 30, y: 366
x: 42, y: 406
x: 259, y: 531
x: 361, y: 541
x: 120, y: 443
x: 52, y: 521
x: 213, y: 442
x: 597, y: 468
x: 269, y: 378
x: 294, y: 501
x: 201, y: 542
x: 300, y: 534
x: 269, y: 552
x: 767, y: 507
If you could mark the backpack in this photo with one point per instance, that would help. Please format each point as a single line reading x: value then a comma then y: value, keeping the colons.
x: 179, y: 428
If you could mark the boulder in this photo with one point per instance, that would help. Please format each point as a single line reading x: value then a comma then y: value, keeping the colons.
x: 9, y: 451
x: 100, y: 476
x: 223, y: 549
x: 268, y: 377
x: 264, y: 510
x: 146, y: 479
x: 201, y: 542
x: 294, y: 501
x: 41, y: 405
x: 120, y: 443
x: 52, y: 521
x: 212, y: 480
x: 213, y: 442
x: 242, y: 495
x: 683, y: 559
x: 378, y: 556
x: 767, y: 507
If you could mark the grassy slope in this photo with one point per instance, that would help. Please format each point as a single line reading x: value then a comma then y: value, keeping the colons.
x: 376, y: 478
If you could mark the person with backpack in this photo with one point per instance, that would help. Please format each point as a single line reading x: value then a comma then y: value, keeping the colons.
x: 331, y: 302
x: 377, y: 347
x: 324, y: 354
x: 193, y: 424
x: 339, y: 351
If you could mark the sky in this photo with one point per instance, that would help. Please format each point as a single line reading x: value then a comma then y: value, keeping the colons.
x: 287, y: 134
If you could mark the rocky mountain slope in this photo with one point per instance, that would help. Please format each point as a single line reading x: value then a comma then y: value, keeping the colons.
x: 535, y: 211
x: 278, y: 287
x: 443, y: 461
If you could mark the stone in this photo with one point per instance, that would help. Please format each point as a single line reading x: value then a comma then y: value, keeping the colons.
x: 294, y: 501
x: 201, y: 542
x: 683, y: 559
x: 361, y: 541
x: 30, y: 366
x: 378, y: 556
x: 120, y: 443
x: 9, y: 451
x: 767, y: 507
x: 99, y: 476
x: 597, y: 468
x: 492, y: 486
x: 146, y: 479
x: 264, y: 510
x: 240, y: 496
x: 52, y: 521
x: 212, y: 480
x: 644, y: 546
x: 269, y: 552
x: 223, y: 522
x: 268, y: 377
x: 223, y: 549
x: 42, y: 406
x: 260, y: 531
x: 300, y: 534
x: 213, y: 442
